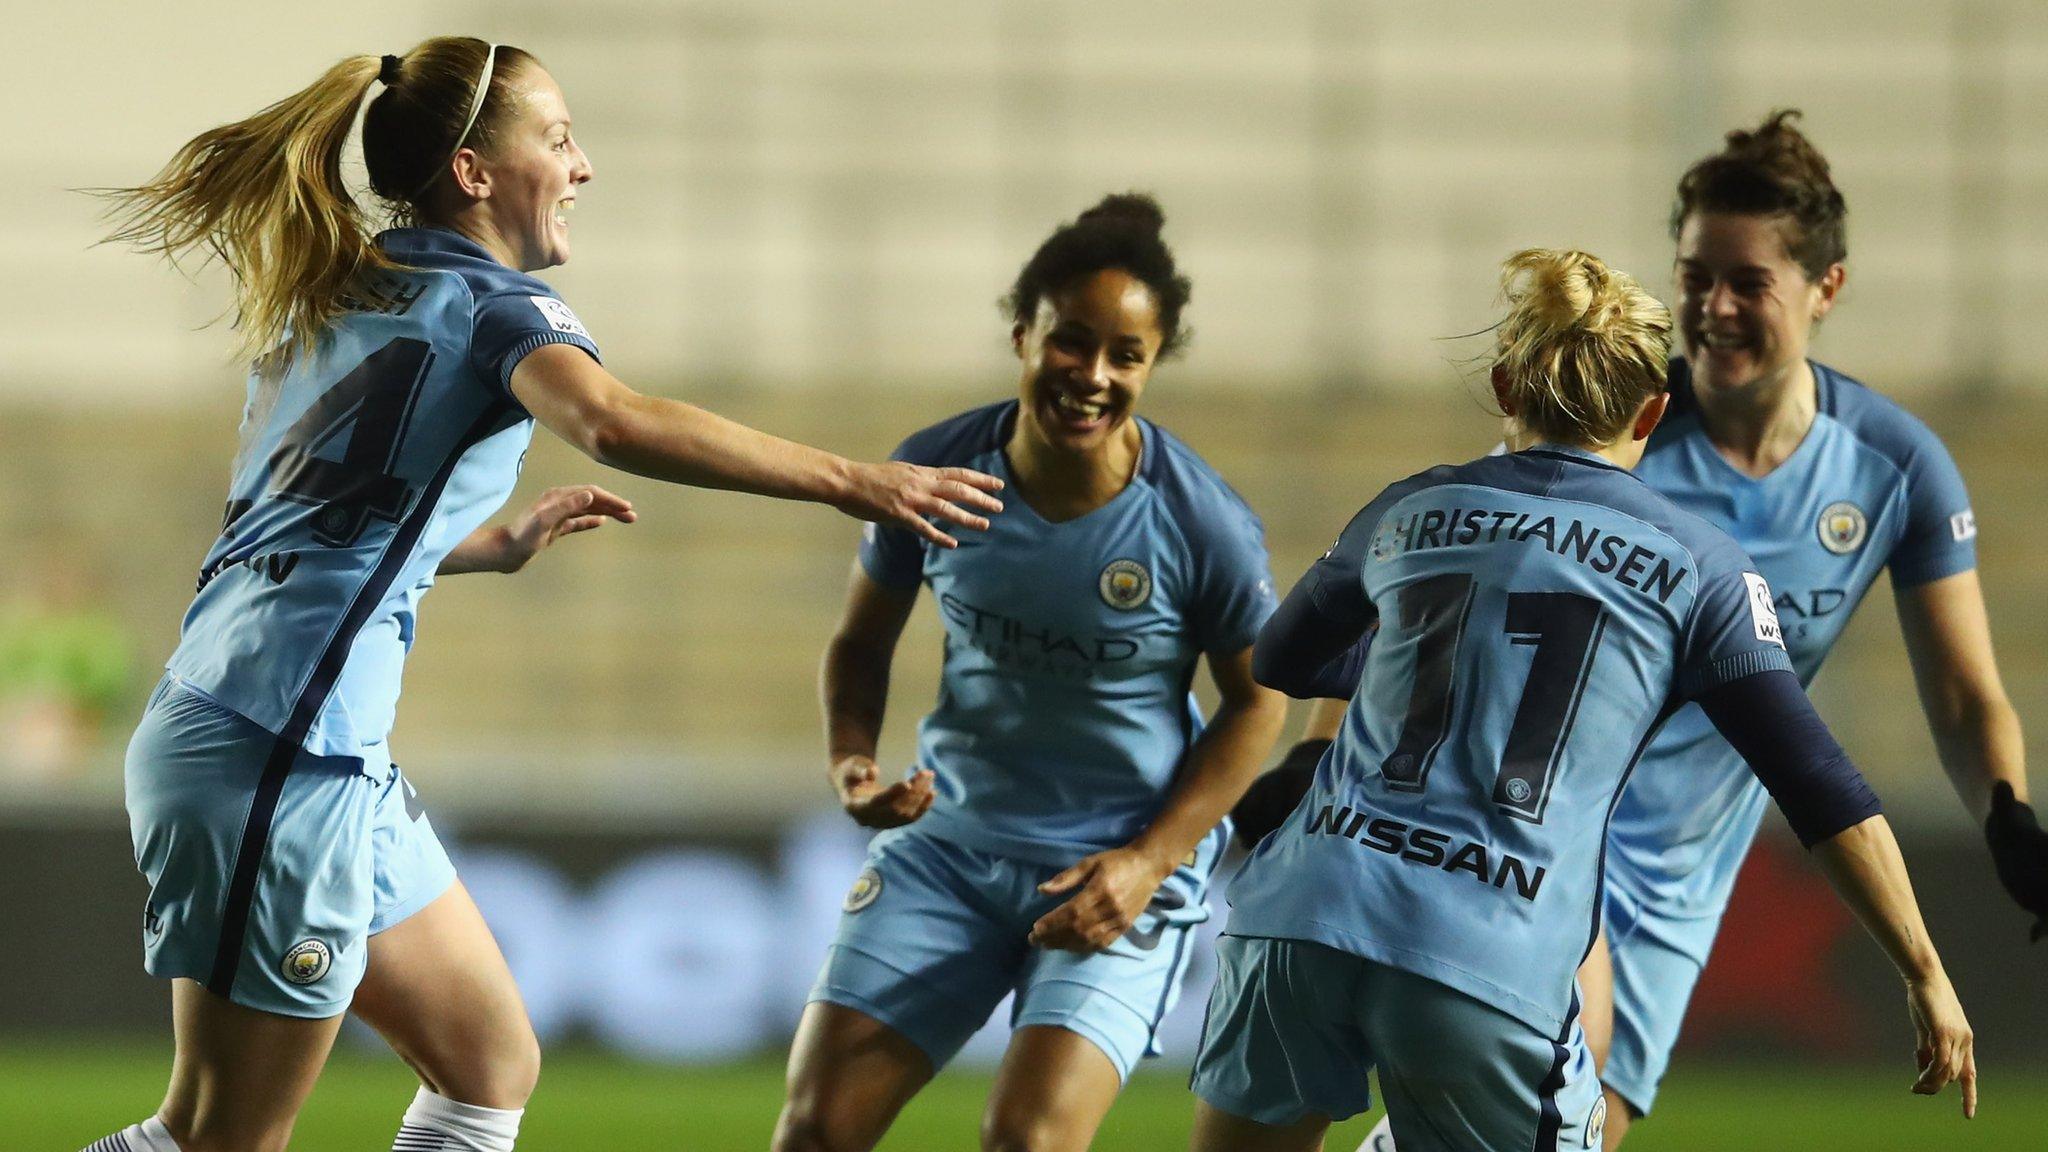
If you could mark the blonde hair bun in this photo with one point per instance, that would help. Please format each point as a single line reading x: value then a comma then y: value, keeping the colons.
x: 1583, y: 345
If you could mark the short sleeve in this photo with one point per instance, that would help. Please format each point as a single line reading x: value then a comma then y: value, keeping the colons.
x: 1234, y: 582
x: 893, y: 557
x: 513, y: 322
x: 1733, y: 630
x: 1336, y: 582
x: 1940, y: 537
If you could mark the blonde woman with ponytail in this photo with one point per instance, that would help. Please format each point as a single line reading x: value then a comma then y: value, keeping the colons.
x: 396, y: 380
x: 1535, y: 618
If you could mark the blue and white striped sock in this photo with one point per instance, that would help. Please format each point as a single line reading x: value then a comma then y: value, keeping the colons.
x: 148, y: 1136
x: 437, y: 1124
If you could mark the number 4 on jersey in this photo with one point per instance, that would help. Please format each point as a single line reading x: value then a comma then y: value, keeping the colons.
x: 373, y: 404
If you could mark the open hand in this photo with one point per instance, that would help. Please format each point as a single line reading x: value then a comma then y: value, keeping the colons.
x: 560, y: 512
x: 1110, y: 890
x: 1945, y: 1047
x: 909, y: 495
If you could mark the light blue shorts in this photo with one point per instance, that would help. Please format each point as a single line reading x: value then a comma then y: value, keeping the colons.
x: 269, y: 868
x: 1294, y: 1026
x: 1656, y: 967
x: 934, y: 934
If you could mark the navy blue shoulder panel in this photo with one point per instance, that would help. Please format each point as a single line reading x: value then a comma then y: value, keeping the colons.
x: 958, y: 440
x: 511, y: 313
x: 1192, y: 489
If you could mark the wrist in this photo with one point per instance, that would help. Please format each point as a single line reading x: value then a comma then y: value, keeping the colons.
x: 839, y: 480
x: 1160, y: 858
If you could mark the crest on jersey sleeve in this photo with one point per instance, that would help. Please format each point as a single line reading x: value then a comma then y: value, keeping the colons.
x: 1842, y: 527
x: 866, y: 888
x: 1124, y: 585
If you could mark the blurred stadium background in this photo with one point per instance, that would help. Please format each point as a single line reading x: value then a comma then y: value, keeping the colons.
x: 803, y: 216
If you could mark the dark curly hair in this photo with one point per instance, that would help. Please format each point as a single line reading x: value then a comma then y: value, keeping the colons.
x: 1772, y: 171
x: 1120, y: 232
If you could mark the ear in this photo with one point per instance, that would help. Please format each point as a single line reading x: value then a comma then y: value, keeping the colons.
x: 1499, y: 377
x: 1017, y: 339
x: 1649, y: 416
x: 471, y: 177
x: 1830, y: 285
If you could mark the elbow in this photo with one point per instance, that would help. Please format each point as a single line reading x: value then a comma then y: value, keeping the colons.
x: 1269, y: 668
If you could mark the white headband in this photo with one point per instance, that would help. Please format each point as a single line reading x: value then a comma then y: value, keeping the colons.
x: 476, y: 105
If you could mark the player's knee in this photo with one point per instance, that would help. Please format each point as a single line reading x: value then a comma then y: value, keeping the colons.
x: 500, y: 1076
x: 1008, y: 1130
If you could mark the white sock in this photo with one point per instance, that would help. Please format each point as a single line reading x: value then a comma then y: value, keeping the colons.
x: 1380, y: 1139
x: 438, y: 1124
x: 148, y: 1136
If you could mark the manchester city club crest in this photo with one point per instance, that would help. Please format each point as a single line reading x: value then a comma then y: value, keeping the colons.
x: 1596, y: 1124
x: 1125, y: 584
x: 307, y: 962
x: 1842, y: 527
x: 866, y: 888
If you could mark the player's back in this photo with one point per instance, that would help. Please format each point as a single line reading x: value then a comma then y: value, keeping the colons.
x: 1539, y: 615
x: 362, y: 464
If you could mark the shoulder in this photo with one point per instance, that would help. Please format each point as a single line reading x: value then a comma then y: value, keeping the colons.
x: 958, y: 440
x: 1879, y: 423
x: 1191, y: 487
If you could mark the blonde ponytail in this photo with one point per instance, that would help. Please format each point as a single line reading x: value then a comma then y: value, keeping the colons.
x: 1582, y: 345
x: 265, y: 196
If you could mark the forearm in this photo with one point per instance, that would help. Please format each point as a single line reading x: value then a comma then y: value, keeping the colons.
x: 853, y: 688
x: 1980, y: 744
x: 1223, y: 762
x: 481, y: 551
x: 1864, y: 865
x: 669, y: 440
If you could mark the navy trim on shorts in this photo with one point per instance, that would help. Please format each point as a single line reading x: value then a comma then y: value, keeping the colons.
x: 234, y: 924
x: 1552, y: 1120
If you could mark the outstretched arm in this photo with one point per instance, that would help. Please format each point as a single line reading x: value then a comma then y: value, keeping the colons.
x: 576, y: 399
x: 1767, y: 718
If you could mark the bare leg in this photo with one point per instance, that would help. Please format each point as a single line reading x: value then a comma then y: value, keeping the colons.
x: 438, y: 991
x: 1219, y: 1131
x: 1051, y: 1093
x: 1596, y: 1014
x: 849, y: 1075
x: 240, y: 1075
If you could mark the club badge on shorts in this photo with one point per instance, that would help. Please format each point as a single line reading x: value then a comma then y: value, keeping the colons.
x: 866, y: 887
x: 1124, y: 585
x: 307, y: 962
x: 1596, y: 1124
x: 1842, y: 527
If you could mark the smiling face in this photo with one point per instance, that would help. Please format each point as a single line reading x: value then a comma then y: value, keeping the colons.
x: 527, y: 182
x: 1746, y: 309
x: 1086, y: 354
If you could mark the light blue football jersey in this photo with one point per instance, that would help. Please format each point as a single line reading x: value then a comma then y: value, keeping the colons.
x: 1064, y: 708
x: 1869, y: 488
x: 1540, y: 614
x: 360, y: 468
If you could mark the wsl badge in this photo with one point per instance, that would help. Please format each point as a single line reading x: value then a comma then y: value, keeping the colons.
x: 1124, y: 585
x: 1842, y: 527
x: 867, y: 887
x: 307, y: 962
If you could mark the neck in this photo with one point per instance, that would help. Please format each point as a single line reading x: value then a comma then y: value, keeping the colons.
x: 1757, y: 427
x: 1061, y: 485
x: 477, y: 227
